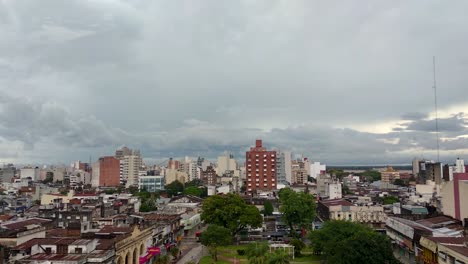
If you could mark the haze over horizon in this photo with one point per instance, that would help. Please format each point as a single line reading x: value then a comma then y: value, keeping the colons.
x: 82, y: 78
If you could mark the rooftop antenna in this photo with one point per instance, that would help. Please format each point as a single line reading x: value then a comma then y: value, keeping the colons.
x: 435, y: 105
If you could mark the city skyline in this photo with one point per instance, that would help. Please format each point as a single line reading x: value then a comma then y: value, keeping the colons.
x: 338, y: 82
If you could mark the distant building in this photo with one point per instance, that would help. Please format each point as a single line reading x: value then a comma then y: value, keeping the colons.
x: 389, y: 175
x: 151, y: 183
x: 209, y: 176
x: 130, y: 164
x: 316, y: 169
x: 226, y: 163
x: 30, y: 172
x: 108, y: 172
x: 328, y: 187
x: 261, y: 168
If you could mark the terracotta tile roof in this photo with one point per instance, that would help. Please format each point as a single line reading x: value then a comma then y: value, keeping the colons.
x: 335, y: 202
x: 51, y: 241
x: 448, y: 240
x: 159, y: 217
x: 5, y: 217
x: 115, y: 230
x: 105, y: 244
x: 58, y: 257
x: 460, y: 249
x: 22, y: 224
x: 429, y: 222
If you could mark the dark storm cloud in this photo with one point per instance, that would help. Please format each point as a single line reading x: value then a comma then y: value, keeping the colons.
x: 201, y: 77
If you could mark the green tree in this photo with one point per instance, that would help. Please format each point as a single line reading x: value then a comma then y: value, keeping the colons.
x: 268, y: 208
x: 174, y: 252
x: 49, y: 177
x: 371, y: 175
x: 194, y: 182
x: 257, y: 252
x: 133, y: 190
x: 346, y: 189
x: 400, y: 182
x: 231, y: 212
x: 390, y: 200
x: 298, y: 246
x: 193, y: 190
x: 278, y: 257
x: 345, y: 242
x: 298, y: 209
x: 162, y: 259
x: 174, y: 188
x: 214, y: 237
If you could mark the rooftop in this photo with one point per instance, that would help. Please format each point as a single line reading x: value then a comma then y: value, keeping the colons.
x: 335, y: 202
x: 460, y: 249
x: 22, y: 224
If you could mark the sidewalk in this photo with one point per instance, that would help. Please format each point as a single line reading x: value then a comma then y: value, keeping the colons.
x: 193, y: 255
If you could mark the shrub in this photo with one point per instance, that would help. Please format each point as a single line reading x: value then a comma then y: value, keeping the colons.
x: 241, y: 252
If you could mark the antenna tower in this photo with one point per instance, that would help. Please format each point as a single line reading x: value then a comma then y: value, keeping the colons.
x: 435, y: 105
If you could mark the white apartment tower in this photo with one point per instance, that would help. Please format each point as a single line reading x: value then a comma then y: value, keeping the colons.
x: 130, y: 165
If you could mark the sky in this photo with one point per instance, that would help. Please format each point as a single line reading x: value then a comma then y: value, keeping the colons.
x: 341, y: 82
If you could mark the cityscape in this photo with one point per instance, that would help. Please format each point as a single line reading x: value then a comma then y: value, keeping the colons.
x: 243, y: 132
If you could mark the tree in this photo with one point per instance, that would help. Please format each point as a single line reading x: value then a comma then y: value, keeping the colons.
x: 133, y: 190
x: 298, y: 209
x: 194, y: 182
x: 298, y: 246
x: 193, y: 190
x: 162, y: 259
x: 346, y: 189
x: 257, y: 252
x: 400, y: 182
x: 174, y: 188
x: 278, y: 257
x: 345, y: 242
x: 174, y: 252
x: 214, y: 237
x: 268, y: 208
x: 371, y: 175
x: 231, y: 212
x: 390, y: 200
x: 49, y: 177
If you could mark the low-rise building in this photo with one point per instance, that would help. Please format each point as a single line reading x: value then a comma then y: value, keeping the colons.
x: 339, y: 209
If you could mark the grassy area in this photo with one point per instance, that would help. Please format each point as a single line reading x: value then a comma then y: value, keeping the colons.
x: 208, y: 260
x: 305, y: 258
x: 229, y: 254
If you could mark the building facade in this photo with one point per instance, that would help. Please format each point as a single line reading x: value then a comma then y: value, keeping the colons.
x: 109, y: 171
x: 151, y: 183
x: 261, y: 169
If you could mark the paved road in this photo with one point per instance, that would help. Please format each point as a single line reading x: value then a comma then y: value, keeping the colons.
x: 193, y: 255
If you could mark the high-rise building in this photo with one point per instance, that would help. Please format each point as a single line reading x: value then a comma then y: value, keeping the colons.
x: 130, y: 164
x: 288, y: 166
x: 261, y: 168
x: 226, y: 163
x: 280, y: 167
x: 108, y: 172
x: 389, y: 175
x: 173, y: 164
x: 209, y: 176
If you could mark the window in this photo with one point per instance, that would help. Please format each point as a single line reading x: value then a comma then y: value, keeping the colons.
x: 78, y: 250
x: 48, y: 250
x: 62, y: 249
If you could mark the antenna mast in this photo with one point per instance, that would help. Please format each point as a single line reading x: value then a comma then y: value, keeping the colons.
x: 435, y: 104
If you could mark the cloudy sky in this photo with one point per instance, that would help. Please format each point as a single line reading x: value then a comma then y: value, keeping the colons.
x: 342, y: 82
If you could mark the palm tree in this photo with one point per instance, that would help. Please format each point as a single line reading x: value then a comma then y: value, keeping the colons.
x: 256, y: 253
